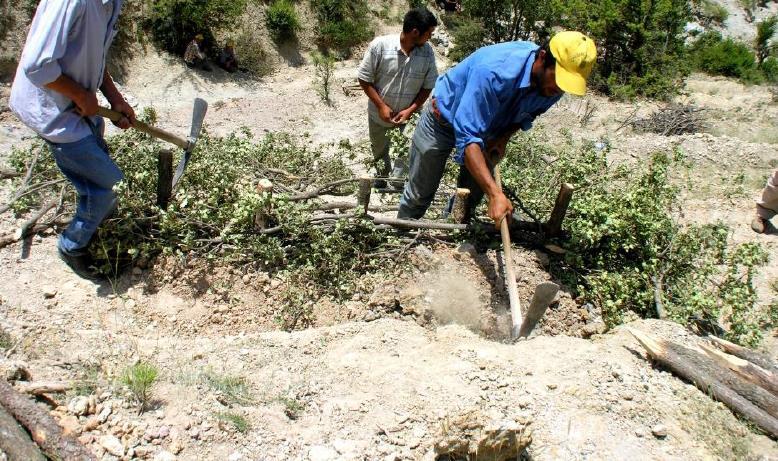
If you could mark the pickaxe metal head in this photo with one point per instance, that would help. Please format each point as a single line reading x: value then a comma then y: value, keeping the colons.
x: 198, y: 115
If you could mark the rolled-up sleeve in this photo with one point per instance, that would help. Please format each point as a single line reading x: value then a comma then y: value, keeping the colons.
x: 475, y: 112
x: 367, y: 68
x: 48, y: 39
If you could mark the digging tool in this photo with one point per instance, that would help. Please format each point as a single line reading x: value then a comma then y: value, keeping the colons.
x: 510, y: 274
x: 543, y: 297
x: 198, y: 115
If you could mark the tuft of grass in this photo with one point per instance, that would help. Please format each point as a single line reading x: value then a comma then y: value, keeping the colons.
x: 235, y: 389
x: 293, y: 407
x: 140, y: 379
x: 238, y: 421
x: 6, y: 340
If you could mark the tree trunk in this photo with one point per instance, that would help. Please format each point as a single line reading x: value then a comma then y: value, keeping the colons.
x: 713, y: 380
x: 745, y: 354
x: 45, y: 431
x: 15, y: 441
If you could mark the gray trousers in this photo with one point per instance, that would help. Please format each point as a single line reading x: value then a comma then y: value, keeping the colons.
x: 379, y: 142
x: 767, y: 207
x: 431, y: 147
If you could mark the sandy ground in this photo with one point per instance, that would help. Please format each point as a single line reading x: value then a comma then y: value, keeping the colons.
x: 373, y: 381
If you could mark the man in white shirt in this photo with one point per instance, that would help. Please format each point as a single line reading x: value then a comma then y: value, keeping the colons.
x: 397, y: 74
x: 61, y: 68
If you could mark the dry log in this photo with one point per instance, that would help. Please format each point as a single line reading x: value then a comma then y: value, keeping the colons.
x: 8, y: 174
x: 544, y: 295
x: 412, y: 224
x: 24, y: 231
x: 44, y: 430
x: 10, y: 239
x: 554, y: 224
x: 744, y: 369
x: 15, y: 442
x: 349, y: 206
x: 322, y: 190
x: 41, y: 388
x: 739, y: 395
x: 745, y: 354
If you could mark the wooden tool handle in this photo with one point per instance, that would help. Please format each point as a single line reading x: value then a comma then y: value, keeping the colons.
x: 150, y: 130
x: 510, y: 273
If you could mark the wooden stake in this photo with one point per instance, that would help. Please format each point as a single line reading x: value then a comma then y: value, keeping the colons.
x: 459, y: 210
x: 363, y: 196
x: 262, y: 216
x: 554, y: 224
x: 164, y: 178
x: 709, y: 378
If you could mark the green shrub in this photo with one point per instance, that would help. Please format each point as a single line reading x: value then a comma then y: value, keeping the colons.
x: 140, y: 378
x: 174, y: 23
x: 236, y: 420
x: 251, y: 53
x: 712, y: 12
x: 282, y: 19
x: 770, y: 69
x: 324, y: 66
x: 719, y: 56
x: 342, y: 24
x: 765, y: 30
x: 467, y: 35
x: 625, y: 244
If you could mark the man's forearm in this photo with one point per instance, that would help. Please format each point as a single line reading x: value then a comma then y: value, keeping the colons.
x: 372, y: 93
x: 476, y: 164
x: 109, y: 90
x: 424, y: 93
x: 68, y: 87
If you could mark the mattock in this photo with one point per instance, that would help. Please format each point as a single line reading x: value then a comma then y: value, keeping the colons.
x: 544, y: 292
x: 188, y: 144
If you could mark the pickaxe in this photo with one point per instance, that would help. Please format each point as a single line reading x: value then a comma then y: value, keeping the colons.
x: 198, y: 115
x: 544, y: 293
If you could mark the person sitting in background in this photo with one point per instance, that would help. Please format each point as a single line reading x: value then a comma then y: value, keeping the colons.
x: 194, y: 56
x: 767, y: 207
x: 227, y: 59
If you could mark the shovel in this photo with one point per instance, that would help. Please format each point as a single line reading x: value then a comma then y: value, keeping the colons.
x: 198, y: 115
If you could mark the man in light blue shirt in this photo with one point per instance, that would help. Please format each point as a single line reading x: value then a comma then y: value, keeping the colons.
x: 54, y: 93
x: 479, y: 104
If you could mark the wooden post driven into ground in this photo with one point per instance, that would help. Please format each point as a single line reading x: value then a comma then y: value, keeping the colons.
x: 165, y: 177
x: 459, y: 210
x: 554, y: 224
x: 363, y: 197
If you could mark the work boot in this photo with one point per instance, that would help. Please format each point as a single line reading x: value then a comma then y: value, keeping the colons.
x: 759, y: 225
x: 81, y: 264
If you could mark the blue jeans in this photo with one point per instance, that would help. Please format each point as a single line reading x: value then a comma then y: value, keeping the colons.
x: 431, y: 147
x: 89, y: 168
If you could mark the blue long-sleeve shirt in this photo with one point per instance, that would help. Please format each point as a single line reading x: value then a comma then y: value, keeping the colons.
x: 69, y: 37
x: 488, y: 92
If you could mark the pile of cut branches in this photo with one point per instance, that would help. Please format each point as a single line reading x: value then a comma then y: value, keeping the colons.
x: 675, y: 119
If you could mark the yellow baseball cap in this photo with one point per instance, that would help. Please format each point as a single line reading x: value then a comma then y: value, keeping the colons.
x: 575, y: 55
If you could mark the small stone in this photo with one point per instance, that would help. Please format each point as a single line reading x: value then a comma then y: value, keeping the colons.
x: 627, y: 396
x: 16, y: 371
x: 104, y: 413
x: 164, y: 432
x: 322, y: 453
x: 246, y: 279
x: 524, y: 401
x: 130, y: 304
x: 112, y: 445
x: 194, y: 433
x: 275, y: 283
x: 659, y: 431
x: 551, y: 386
x: 49, y: 292
x: 79, y: 406
x: 70, y: 424
x: 640, y: 432
x: 91, y: 424
x: 164, y: 455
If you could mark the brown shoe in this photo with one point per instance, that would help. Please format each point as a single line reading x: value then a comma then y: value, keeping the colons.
x: 759, y: 225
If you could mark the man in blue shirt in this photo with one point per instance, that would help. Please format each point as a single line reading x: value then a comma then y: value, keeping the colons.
x: 479, y: 104
x: 61, y: 68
